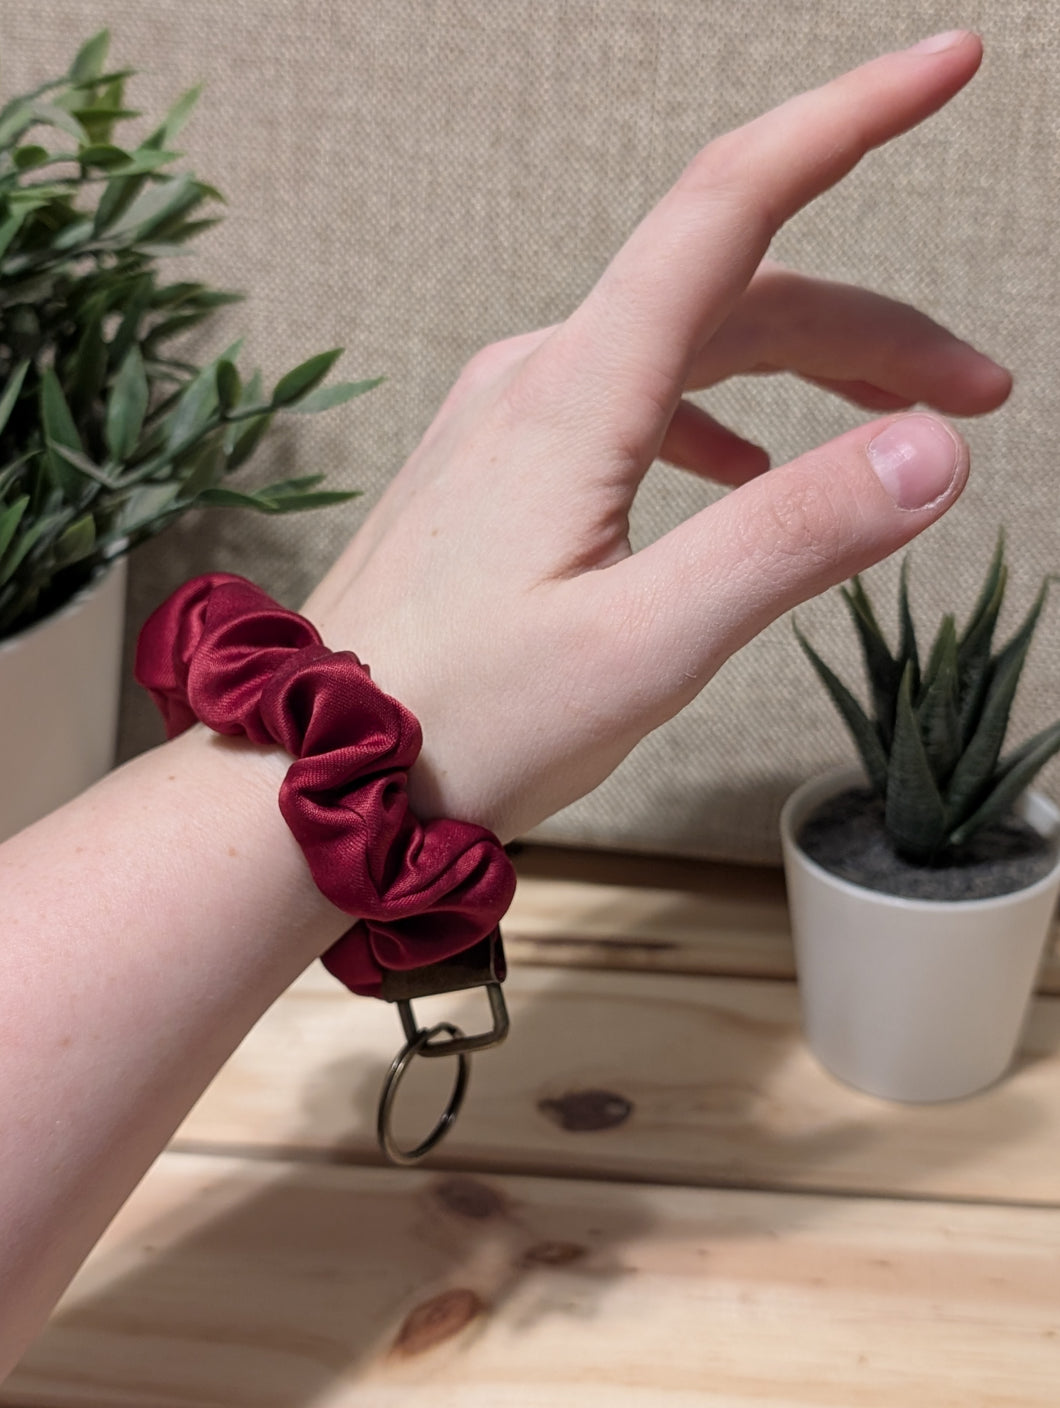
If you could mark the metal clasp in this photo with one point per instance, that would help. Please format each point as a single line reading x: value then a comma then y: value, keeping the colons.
x: 482, y: 965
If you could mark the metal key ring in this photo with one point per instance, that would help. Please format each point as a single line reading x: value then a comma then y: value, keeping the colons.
x: 398, y: 1067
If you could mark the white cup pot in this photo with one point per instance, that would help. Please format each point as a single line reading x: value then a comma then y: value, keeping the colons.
x: 60, y: 685
x: 912, y: 999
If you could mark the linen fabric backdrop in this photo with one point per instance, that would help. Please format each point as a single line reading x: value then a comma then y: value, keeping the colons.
x: 411, y: 179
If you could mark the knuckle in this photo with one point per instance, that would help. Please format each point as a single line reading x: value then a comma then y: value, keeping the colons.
x: 512, y: 379
x: 486, y: 365
x: 536, y: 392
x: 804, y: 527
x: 723, y: 175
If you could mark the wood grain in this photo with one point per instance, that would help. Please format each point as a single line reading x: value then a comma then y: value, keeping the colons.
x: 234, y: 1282
x: 636, y: 1076
x: 648, y: 914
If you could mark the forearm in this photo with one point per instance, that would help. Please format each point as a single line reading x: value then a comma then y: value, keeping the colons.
x: 146, y: 928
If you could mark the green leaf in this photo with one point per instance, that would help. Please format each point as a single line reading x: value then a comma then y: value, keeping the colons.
x: 15, y: 118
x: 38, y: 194
x: 172, y: 327
x: 10, y: 473
x: 26, y: 158
x: 76, y: 542
x: 864, y: 734
x: 267, y: 500
x: 9, y: 521
x: 915, y: 816
x: 206, y: 470
x: 90, y: 58
x: 908, y: 653
x: 135, y: 304
x: 229, y: 386
x: 302, y: 503
x: 153, y: 206
x: 974, y: 773
x: 985, y: 602
x: 9, y: 228
x: 1015, y: 775
x: 232, y: 498
x: 303, y: 378
x: 137, y: 163
x: 89, y: 370
x: 148, y: 506
x: 193, y: 296
x: 50, y: 115
x: 300, y: 485
x: 974, y: 646
x: 947, y: 629
x: 325, y: 397
x: 88, y: 467
x: 881, y: 669
x: 98, y: 120
x: 175, y: 118
x: 193, y: 412
x: 59, y: 429
x: 104, y: 156
x: 937, y: 713
x: 22, y: 546
x: 11, y: 391
x: 77, y: 232
x: 118, y: 196
x: 244, y: 443
x: 166, y: 240
x: 127, y: 407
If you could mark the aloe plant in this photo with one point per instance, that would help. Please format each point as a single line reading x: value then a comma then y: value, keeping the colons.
x: 108, y: 435
x: 931, y: 743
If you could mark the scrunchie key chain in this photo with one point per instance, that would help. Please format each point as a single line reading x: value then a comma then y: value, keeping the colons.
x: 427, y: 897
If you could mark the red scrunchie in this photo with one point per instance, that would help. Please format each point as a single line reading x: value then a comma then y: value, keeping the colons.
x: 221, y: 651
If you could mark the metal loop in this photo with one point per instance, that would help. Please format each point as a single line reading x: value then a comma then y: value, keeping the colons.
x: 481, y: 1041
x: 415, y: 1047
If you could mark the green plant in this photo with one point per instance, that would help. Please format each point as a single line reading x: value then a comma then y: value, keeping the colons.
x: 106, y: 434
x: 931, y: 747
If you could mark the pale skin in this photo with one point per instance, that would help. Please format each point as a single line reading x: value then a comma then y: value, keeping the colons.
x: 148, y: 924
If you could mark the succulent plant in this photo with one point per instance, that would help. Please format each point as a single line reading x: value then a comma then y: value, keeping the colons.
x: 931, y: 744
x: 107, y: 435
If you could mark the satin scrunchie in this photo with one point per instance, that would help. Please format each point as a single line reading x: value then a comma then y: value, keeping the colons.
x: 221, y: 651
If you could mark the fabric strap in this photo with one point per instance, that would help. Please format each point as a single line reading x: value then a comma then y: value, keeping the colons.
x: 221, y: 651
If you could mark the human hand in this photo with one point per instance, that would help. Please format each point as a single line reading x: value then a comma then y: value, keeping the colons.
x: 493, y: 589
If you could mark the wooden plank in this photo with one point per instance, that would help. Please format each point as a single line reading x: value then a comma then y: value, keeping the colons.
x: 635, y: 1076
x: 646, y: 915
x: 229, y: 1282
x: 652, y: 914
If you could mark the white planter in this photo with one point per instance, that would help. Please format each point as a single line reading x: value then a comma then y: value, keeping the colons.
x: 60, y: 684
x: 910, y: 999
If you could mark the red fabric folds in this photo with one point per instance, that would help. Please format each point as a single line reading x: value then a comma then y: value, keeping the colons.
x: 221, y: 651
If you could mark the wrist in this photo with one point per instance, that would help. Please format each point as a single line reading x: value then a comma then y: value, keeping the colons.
x: 222, y: 652
x: 225, y: 793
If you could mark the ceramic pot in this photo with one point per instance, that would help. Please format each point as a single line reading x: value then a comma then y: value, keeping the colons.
x: 60, y: 684
x: 910, y: 999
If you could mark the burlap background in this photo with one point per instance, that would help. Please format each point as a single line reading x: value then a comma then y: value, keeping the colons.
x: 412, y: 178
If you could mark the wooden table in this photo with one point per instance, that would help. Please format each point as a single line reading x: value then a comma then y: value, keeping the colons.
x: 654, y: 1197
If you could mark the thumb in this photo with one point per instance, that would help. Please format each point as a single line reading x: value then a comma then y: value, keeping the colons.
x: 722, y: 576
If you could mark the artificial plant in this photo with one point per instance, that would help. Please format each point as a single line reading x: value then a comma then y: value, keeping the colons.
x: 931, y: 743
x: 107, y: 432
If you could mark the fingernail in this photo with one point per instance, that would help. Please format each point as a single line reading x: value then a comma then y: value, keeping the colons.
x: 915, y: 460
x: 935, y: 45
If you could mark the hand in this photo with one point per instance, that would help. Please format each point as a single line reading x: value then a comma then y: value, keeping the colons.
x: 493, y: 589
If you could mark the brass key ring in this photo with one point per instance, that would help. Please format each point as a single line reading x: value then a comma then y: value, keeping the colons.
x: 400, y: 1064
x: 481, y: 966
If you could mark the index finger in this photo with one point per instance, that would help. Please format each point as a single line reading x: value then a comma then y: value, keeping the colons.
x: 678, y: 275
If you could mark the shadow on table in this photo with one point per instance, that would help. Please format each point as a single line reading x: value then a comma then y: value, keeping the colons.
x: 265, y: 1282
